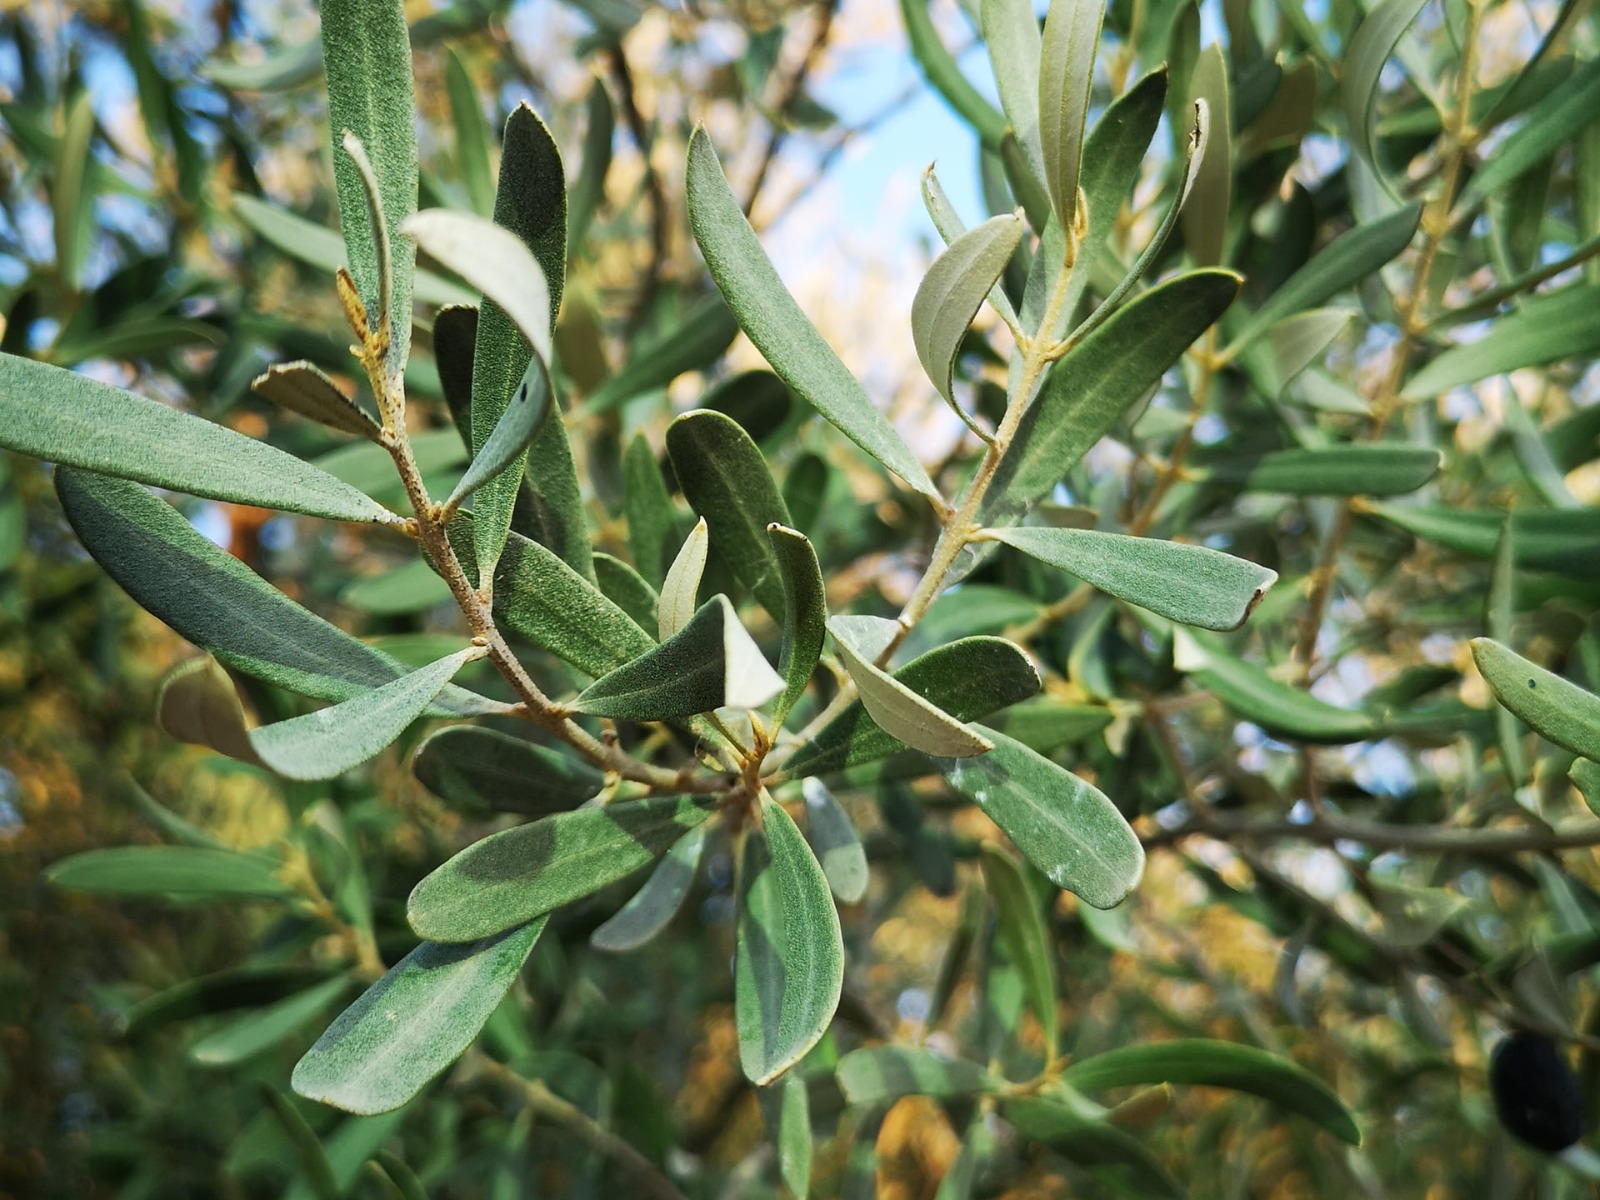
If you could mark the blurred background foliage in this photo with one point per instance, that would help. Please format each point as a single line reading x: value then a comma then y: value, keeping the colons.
x: 157, y: 156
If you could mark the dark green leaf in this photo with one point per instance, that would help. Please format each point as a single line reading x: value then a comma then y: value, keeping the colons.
x: 315, y: 1171
x: 1104, y: 1150
x: 967, y: 679
x: 1556, y: 119
x: 479, y: 770
x: 1355, y: 469
x: 1027, y: 942
x: 67, y: 418
x: 627, y: 589
x: 1546, y: 328
x: 658, y: 901
x: 524, y: 872
x: 710, y: 663
x: 805, y: 618
x: 1114, y: 156
x: 507, y: 446
x: 472, y: 134
x: 652, y: 524
x: 187, y: 871
x: 1499, y: 611
x: 71, y: 204
x: 789, y: 960
x: 1205, y: 215
x: 1062, y: 825
x: 412, y: 1023
x: 409, y: 588
x: 774, y: 322
x: 367, y: 54
x: 1370, y: 49
x: 726, y: 481
x: 1546, y: 540
x: 1218, y: 1064
x: 1190, y: 584
x: 301, y: 387
x: 881, y: 1074
x: 218, y: 603
x: 589, y: 189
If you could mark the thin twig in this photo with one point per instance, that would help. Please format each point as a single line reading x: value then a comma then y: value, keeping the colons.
x: 786, y: 99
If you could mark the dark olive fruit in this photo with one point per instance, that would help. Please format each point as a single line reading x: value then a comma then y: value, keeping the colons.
x: 1535, y: 1092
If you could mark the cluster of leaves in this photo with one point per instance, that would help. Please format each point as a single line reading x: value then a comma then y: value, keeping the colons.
x: 676, y: 704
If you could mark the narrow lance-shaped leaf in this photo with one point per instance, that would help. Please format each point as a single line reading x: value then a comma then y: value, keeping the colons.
x: 472, y: 134
x: 193, y: 872
x: 1205, y: 216
x: 880, y: 1074
x: 1011, y: 34
x: 1113, y: 159
x: 953, y: 290
x: 326, y: 743
x: 968, y: 679
x: 1063, y: 825
x: 589, y: 189
x: 648, y: 504
x: 789, y: 956
x: 805, y: 617
x: 1359, y: 469
x: 950, y: 226
x: 1210, y: 1063
x: 218, y: 603
x: 1546, y: 328
x: 528, y: 410
x: 1370, y: 49
x: 658, y: 901
x: 315, y: 1169
x: 692, y: 344
x: 243, y: 1039
x: 1292, y: 345
x: 680, y: 591
x: 1546, y: 539
x: 726, y: 480
x: 710, y: 663
x: 1563, y: 712
x: 1500, y: 609
x: 71, y: 419
x: 903, y: 713
x: 367, y: 54
x: 524, y: 872
x: 413, y: 1023
x: 198, y: 704
x: 627, y: 589
x: 792, y: 1133
x: 301, y: 387
x: 1557, y: 118
x: 837, y: 845
x: 481, y: 770
x: 1089, y: 390
x: 942, y: 72
x: 1066, y: 77
x: 1027, y: 942
x: 774, y: 322
x: 1194, y: 585
x: 71, y: 203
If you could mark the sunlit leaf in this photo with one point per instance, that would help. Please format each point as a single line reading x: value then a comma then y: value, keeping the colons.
x: 1011, y: 35
x: 681, y: 590
x: 1066, y: 77
x: 1560, y: 711
x: 524, y: 872
x: 413, y: 1023
x: 904, y: 713
x: 941, y: 71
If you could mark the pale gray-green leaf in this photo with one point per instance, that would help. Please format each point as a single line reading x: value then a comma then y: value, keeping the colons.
x: 837, y: 845
x: 1066, y: 78
x: 904, y: 714
x: 682, y: 585
x: 1560, y: 711
x: 658, y: 901
x: 953, y: 290
x: 303, y: 388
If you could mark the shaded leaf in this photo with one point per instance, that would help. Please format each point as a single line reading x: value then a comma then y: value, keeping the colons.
x: 880, y: 1074
x: 1546, y: 328
x: 1205, y: 216
x: 529, y: 870
x: 789, y: 956
x: 1191, y: 584
x: 198, y: 704
x: 1556, y: 119
x: 1354, y: 469
x: 835, y: 842
x: 1027, y: 942
x: 774, y: 322
x: 187, y: 871
x: 413, y: 1023
x: 1374, y: 41
x: 805, y: 617
x: 301, y: 387
x: 480, y: 770
x: 1546, y: 539
x: 472, y: 134
x: 655, y: 904
x: 1103, y: 1150
x: 626, y: 588
x: 527, y: 411
x: 655, y: 361
x: 1114, y: 155
x: 1063, y: 825
x: 242, y: 1039
x: 1011, y: 35
x: 652, y: 520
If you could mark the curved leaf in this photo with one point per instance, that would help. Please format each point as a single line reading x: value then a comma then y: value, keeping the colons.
x: 805, y: 618
x: 1557, y: 118
x: 658, y: 901
x: 479, y: 770
x: 1027, y: 942
x: 953, y: 290
x: 681, y: 589
x: 835, y: 842
x: 413, y: 1023
x: 903, y: 713
x: 1066, y: 78
x: 1348, y: 470
x: 1563, y: 712
x: 691, y: 344
x: 198, y: 704
x: 789, y: 955
x: 1546, y: 539
x: 1370, y: 49
x: 242, y: 1039
x: 524, y: 872
x: 1545, y: 328
x: 301, y: 387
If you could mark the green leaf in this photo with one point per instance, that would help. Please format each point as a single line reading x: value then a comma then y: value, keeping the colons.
x: 789, y: 956
x: 243, y: 1039
x: 1559, y: 711
x: 68, y: 418
x: 218, y: 603
x: 651, y: 519
x: 968, y: 679
x: 71, y: 206
x: 413, y: 1023
x: 777, y: 326
x: 589, y: 189
x: 710, y: 663
x: 279, y: 71
x: 550, y: 509
x: 1208, y: 1063
x: 529, y: 870
x: 224, y: 991
x: 627, y: 589
x: 318, y: 246
x: 1194, y: 585
x: 367, y: 54
x: 1546, y: 539
x: 190, y: 872
x: 1045, y: 726
x: 901, y: 712
x: 198, y: 704
x: 368, y: 467
x: 1292, y: 345
x: 329, y: 742
x: 655, y: 904
x: 682, y: 587
x: 805, y: 617
x: 835, y: 842
x: 689, y: 345
x: 793, y: 1135
x: 1011, y: 35
x: 882, y: 1074
x: 316, y: 1174
x: 301, y: 387
x: 1066, y: 79
x: 1500, y: 608
x: 940, y: 70
x: 1374, y: 41
x: 1062, y: 825
x: 1205, y: 216
x: 1355, y: 469
x: 953, y: 290
x: 1556, y: 119
x: 1114, y: 156
x: 479, y: 770
x: 1089, y: 390
x: 1277, y: 707
x: 1546, y: 328
x: 507, y: 446
x: 1119, y: 1157
x: 1027, y: 942
x: 472, y: 134
x: 726, y: 481
x: 409, y: 588
x: 1345, y: 262
x: 950, y: 226
x: 540, y: 598
x: 1585, y: 776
